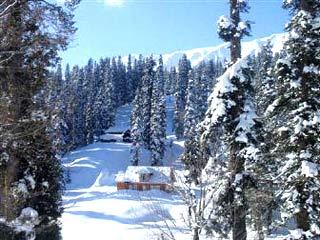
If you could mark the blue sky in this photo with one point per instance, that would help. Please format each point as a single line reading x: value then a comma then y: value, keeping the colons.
x: 120, y: 27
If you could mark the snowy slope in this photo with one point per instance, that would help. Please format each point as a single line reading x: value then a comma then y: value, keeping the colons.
x: 94, y: 209
x: 222, y: 51
x: 122, y: 119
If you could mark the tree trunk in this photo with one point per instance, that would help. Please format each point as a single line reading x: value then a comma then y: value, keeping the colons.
x: 302, y: 219
x: 195, y: 233
x: 235, y: 44
x: 239, y: 223
x: 238, y: 212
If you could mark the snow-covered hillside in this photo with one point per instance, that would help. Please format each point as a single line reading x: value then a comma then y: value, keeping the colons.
x: 222, y: 51
x: 94, y: 209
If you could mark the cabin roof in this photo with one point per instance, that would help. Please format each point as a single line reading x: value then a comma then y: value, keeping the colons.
x: 157, y: 174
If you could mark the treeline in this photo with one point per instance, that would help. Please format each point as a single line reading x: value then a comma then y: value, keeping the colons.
x: 83, y: 100
x: 190, y: 87
x: 256, y: 154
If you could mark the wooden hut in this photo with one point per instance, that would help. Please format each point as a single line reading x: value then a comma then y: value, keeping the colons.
x: 143, y: 178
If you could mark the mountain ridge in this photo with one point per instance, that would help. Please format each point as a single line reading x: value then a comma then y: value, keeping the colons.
x: 221, y: 52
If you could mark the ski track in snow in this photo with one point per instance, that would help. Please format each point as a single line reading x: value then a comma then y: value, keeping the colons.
x: 94, y: 209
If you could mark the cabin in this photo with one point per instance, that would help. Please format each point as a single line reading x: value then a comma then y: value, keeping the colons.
x: 142, y: 178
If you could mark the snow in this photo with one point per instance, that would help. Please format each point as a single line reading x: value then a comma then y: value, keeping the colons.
x: 25, y: 223
x: 122, y: 119
x: 224, y: 22
x: 238, y: 178
x: 309, y: 169
x: 246, y: 123
x: 22, y: 188
x: 158, y: 174
x: 311, y: 69
x: 242, y: 26
x: 94, y: 209
x: 218, y: 105
x: 31, y: 181
x: 29, y: 215
x: 220, y: 52
x: 271, y: 107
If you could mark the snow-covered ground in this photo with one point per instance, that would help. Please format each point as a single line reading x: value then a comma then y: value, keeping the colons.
x: 122, y: 119
x: 94, y: 209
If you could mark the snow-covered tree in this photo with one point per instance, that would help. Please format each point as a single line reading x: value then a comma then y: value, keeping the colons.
x: 121, y: 87
x: 201, y: 81
x: 137, y: 72
x: 170, y: 80
x: 30, y: 170
x: 59, y: 113
x: 232, y: 110
x: 87, y: 84
x: 109, y: 105
x: 146, y: 91
x: 130, y: 81
x: 192, y: 155
x: 136, y: 127
x: 261, y: 199
x: 158, y: 117
x: 79, y: 132
x: 295, y: 115
x: 180, y: 95
x: 264, y: 77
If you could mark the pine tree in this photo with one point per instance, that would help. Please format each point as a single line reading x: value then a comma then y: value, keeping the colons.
x: 30, y: 172
x: 262, y: 198
x: 122, y: 89
x: 201, y: 80
x: 158, y: 118
x: 78, y: 118
x: 170, y: 80
x: 137, y: 72
x: 109, y: 105
x: 136, y: 127
x: 206, y: 80
x: 58, y: 112
x: 296, y: 120
x: 264, y: 77
x: 69, y: 103
x: 98, y: 97
x: 180, y: 95
x: 131, y: 85
x: 82, y: 101
x: 232, y: 111
x: 89, y: 93
x: 146, y: 91
x: 115, y: 82
x: 191, y: 156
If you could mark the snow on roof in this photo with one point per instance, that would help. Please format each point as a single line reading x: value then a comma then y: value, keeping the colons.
x: 157, y: 174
